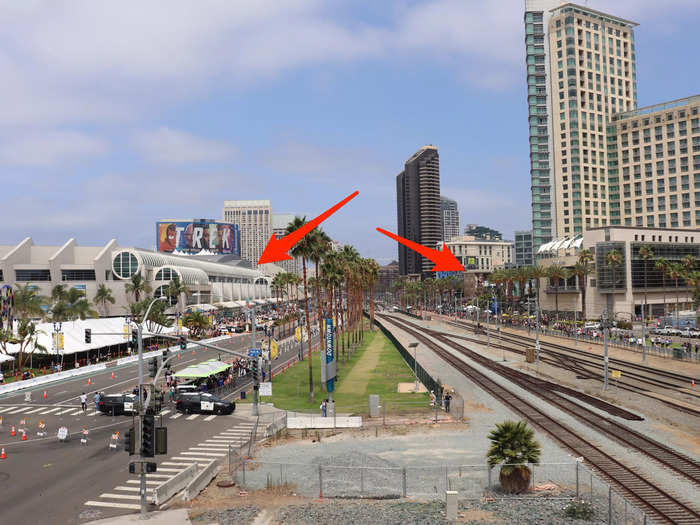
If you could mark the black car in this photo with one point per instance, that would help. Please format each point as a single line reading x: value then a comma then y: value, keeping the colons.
x: 201, y: 402
x: 117, y: 404
x: 122, y: 404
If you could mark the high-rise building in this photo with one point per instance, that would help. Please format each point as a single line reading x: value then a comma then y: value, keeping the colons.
x: 581, y: 69
x: 254, y: 220
x: 482, y: 232
x: 654, y: 153
x: 418, y: 208
x: 523, y: 248
x: 450, y: 218
x: 279, y: 229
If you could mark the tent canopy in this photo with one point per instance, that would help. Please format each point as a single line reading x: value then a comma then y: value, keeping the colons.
x: 204, y: 369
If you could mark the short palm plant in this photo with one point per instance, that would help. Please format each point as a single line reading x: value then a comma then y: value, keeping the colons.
x: 513, y: 444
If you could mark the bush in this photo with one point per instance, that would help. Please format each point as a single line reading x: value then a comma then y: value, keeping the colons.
x: 624, y: 325
x: 579, y: 510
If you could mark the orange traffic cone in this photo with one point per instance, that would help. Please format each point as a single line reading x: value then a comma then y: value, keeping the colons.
x: 113, y: 376
x: 692, y: 382
x: 45, y: 395
x: 89, y: 381
x: 2, y: 454
x: 24, y: 435
x: 13, y: 432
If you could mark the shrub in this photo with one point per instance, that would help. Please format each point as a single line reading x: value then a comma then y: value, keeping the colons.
x: 579, y: 510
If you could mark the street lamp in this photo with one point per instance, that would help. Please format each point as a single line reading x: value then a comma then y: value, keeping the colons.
x: 414, y: 345
x: 56, y: 330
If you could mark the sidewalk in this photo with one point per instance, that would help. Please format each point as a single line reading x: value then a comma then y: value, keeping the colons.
x: 167, y: 517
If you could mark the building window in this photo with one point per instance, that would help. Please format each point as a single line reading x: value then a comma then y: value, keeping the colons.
x: 32, y: 275
x: 125, y: 265
x: 78, y: 275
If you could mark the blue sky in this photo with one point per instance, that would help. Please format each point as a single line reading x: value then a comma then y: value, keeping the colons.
x: 114, y: 115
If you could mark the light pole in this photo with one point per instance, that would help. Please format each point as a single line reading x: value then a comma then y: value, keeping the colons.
x: 537, y: 331
x: 142, y: 407
x: 604, y: 325
x: 414, y: 345
x: 56, y: 330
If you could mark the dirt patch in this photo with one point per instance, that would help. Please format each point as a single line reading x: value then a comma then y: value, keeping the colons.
x: 476, y: 515
x: 690, y: 442
x: 475, y: 407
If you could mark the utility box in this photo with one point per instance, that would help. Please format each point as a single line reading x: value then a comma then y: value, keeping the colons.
x: 374, y: 410
x: 530, y: 355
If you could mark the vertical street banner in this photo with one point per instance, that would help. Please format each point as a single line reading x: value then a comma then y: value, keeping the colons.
x: 330, y: 369
x: 274, y: 349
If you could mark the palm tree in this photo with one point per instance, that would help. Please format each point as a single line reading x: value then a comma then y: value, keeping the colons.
x: 196, y: 322
x: 662, y: 265
x: 27, y: 337
x: 137, y: 286
x: 372, y: 268
x: 646, y: 253
x: 582, y: 268
x: 693, y: 280
x: 70, y: 305
x: 675, y: 272
x: 28, y: 302
x: 320, y: 246
x: 537, y: 272
x: 613, y: 259
x: 103, y: 296
x: 304, y: 249
x: 175, y: 291
x: 513, y: 444
x: 556, y: 273
x: 348, y: 260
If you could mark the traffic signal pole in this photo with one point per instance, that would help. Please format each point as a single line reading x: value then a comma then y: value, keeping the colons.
x: 139, y: 426
x: 256, y: 384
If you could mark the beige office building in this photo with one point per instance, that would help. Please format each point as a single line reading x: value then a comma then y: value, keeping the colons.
x: 654, y: 152
x: 279, y: 228
x: 254, y: 220
x: 480, y: 255
x: 581, y: 70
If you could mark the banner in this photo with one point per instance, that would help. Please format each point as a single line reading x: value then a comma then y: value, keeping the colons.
x: 330, y: 342
x: 193, y: 237
x: 274, y: 349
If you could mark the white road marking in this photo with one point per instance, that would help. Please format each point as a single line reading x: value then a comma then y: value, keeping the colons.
x: 51, y: 410
x: 138, y: 481
x: 5, y: 409
x: 175, y: 416
x: 206, y: 449
x: 202, y: 454
x: 163, y: 476
x: 128, y: 489
x: 164, y: 412
x: 215, y: 444
x: 172, y: 464
x: 114, y: 505
x: 71, y: 412
x: 161, y: 469
x: 193, y: 416
x: 35, y: 410
x: 205, y: 460
x: 120, y: 496
x: 93, y: 413
x: 209, y: 418
x: 19, y: 410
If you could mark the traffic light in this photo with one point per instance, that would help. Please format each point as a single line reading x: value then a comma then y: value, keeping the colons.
x: 88, y: 335
x: 183, y: 343
x: 254, y: 369
x: 161, y: 440
x: 153, y: 367
x: 130, y: 441
x: 166, y: 353
x: 134, y: 339
x: 148, y: 436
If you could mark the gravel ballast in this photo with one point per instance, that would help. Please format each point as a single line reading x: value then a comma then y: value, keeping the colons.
x: 243, y: 515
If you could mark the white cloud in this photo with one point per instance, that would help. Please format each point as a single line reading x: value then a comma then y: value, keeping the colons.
x: 49, y: 148
x: 170, y: 146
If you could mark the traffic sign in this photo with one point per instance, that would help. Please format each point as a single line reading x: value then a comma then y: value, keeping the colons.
x: 617, y: 374
x: 265, y: 389
x: 254, y: 352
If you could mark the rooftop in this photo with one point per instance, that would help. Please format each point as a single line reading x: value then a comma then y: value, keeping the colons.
x: 598, y: 14
x: 662, y: 106
x: 247, y: 204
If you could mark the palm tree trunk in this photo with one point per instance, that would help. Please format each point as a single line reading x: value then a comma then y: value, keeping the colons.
x: 371, y: 307
x: 678, y: 312
x: 583, y: 298
x: 645, y: 313
x: 308, y: 329
x: 318, y: 301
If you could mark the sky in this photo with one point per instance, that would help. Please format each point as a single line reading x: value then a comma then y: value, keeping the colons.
x: 114, y: 115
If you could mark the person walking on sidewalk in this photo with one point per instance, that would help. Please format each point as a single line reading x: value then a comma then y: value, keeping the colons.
x: 83, y: 402
x: 97, y: 400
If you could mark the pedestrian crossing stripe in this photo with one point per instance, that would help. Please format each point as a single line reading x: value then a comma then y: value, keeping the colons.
x: 138, y: 482
x: 120, y: 496
x: 110, y: 504
x: 193, y: 416
x: 197, y: 459
x: 164, y: 412
x: 22, y: 409
x: 209, y: 418
x: 35, y: 410
x: 128, y: 489
x: 202, y: 454
x: 207, y: 450
x: 175, y: 416
x: 51, y: 410
x: 5, y: 409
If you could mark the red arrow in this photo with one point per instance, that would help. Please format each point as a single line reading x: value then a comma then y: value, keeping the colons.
x: 444, y: 260
x: 276, y: 249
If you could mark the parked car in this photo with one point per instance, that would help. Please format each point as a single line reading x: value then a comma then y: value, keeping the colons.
x: 186, y: 389
x: 202, y: 402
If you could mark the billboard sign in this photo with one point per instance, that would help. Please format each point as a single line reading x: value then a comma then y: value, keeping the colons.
x: 193, y: 237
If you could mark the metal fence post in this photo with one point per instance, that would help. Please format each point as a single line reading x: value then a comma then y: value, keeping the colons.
x: 403, y: 481
x: 229, y: 459
x: 243, y: 469
x: 591, y: 497
x: 488, y: 485
x: 577, y: 485
x: 447, y: 480
x: 609, y: 504
x: 320, y: 481
x: 362, y: 481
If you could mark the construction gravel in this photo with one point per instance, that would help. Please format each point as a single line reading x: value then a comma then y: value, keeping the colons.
x: 351, y: 513
x: 243, y: 515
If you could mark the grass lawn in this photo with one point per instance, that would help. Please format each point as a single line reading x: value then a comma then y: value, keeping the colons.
x: 376, y: 367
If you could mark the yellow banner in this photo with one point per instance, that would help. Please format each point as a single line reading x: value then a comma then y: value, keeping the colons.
x: 126, y: 332
x: 297, y: 334
x: 274, y: 349
x: 60, y: 341
x: 179, y: 324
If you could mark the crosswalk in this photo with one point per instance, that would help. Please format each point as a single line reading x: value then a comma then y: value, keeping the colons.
x: 126, y: 496
x: 78, y: 411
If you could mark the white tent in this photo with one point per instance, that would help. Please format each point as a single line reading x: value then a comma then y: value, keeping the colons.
x: 74, y: 334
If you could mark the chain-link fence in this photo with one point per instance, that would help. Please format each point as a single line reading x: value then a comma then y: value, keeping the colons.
x: 568, y: 482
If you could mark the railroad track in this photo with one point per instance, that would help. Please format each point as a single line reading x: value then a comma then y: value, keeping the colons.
x: 651, y: 498
x: 583, y: 366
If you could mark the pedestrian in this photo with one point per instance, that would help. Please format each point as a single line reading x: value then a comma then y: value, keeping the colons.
x: 2, y: 378
x: 97, y: 400
x: 172, y: 393
x: 83, y: 402
x: 324, y: 408
x: 448, y: 398
x: 432, y: 398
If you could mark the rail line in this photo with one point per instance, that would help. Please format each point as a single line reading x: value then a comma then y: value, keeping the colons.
x: 653, y: 499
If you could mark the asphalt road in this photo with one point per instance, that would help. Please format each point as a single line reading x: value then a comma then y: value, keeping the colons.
x: 44, y: 481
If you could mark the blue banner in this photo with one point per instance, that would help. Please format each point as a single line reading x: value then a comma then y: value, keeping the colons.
x: 330, y: 341
x: 495, y: 307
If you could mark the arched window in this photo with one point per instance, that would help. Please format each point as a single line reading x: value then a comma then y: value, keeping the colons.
x: 125, y: 265
x: 161, y: 292
x: 165, y: 274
